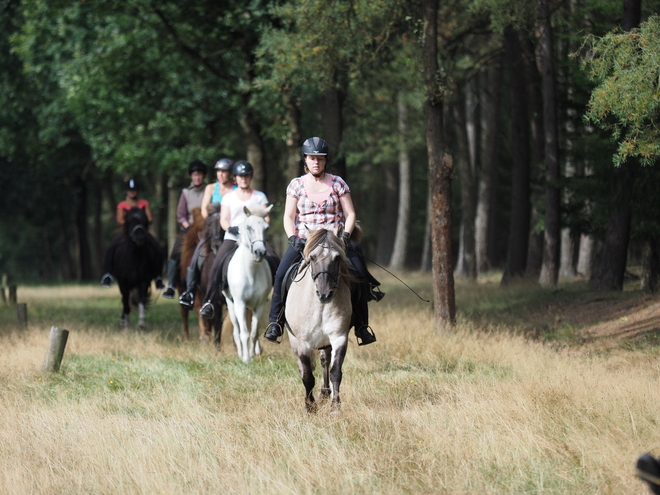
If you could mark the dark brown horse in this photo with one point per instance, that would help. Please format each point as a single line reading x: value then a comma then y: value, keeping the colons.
x: 212, y: 233
x: 137, y: 260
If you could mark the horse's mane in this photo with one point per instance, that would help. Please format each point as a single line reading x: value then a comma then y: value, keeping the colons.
x: 329, y: 239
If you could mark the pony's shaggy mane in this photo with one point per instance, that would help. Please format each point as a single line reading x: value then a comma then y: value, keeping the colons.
x: 329, y: 239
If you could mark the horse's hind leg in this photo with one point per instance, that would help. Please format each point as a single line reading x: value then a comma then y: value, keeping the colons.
x: 338, y: 355
x: 142, y: 316
x: 325, y: 354
x: 306, y: 368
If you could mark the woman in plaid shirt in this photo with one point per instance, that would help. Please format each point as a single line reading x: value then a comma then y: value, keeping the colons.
x: 319, y: 200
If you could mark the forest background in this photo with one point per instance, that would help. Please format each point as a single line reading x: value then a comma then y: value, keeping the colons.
x: 535, y: 100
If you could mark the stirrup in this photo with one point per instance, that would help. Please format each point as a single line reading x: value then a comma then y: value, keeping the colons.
x: 106, y: 280
x: 365, y: 335
x: 274, y: 332
x: 207, y: 311
x: 168, y: 293
x: 187, y: 300
x: 375, y: 294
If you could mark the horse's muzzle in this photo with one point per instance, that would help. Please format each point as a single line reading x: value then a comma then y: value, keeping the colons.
x: 325, y: 298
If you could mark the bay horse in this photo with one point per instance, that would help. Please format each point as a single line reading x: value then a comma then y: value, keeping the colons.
x: 138, y: 259
x: 210, y: 230
x: 249, y: 283
x: 318, y: 313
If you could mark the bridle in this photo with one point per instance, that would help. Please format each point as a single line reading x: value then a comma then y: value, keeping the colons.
x: 334, y: 277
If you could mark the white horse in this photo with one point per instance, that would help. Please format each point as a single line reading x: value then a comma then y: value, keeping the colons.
x: 249, y: 283
x: 318, y: 313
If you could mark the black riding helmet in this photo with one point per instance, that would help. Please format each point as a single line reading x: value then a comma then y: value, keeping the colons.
x: 196, y: 166
x: 131, y: 185
x: 315, y: 146
x: 224, y: 164
x: 242, y: 167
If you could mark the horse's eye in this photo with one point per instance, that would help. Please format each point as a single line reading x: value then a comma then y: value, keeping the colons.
x: 249, y: 229
x: 312, y: 258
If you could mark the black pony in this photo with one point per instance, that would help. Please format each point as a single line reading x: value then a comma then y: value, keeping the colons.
x: 138, y: 258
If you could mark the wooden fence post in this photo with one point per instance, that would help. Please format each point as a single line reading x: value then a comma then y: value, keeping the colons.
x: 56, y: 345
x: 21, y: 315
x: 12, y: 294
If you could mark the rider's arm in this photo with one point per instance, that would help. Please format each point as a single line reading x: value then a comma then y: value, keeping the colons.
x: 121, y: 216
x: 182, y: 212
x: 225, y: 216
x: 347, y: 207
x: 208, y: 192
x: 147, y: 211
x: 290, y: 212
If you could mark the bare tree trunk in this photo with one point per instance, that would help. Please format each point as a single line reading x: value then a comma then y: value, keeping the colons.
x: 551, y: 241
x: 487, y: 198
x: 518, y: 243
x: 466, y: 265
x: 425, y: 265
x: 440, y: 173
x: 403, y: 217
x: 388, y: 212
x: 610, y: 270
x: 294, y: 139
x: 255, y: 146
x: 585, y: 256
x: 333, y: 125
x: 650, y: 278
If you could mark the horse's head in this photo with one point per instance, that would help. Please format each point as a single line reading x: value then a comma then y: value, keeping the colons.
x: 136, y: 225
x: 213, y: 231
x: 253, y: 231
x: 325, y: 254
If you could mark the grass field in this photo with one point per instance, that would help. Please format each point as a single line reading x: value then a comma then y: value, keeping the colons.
x: 513, y: 400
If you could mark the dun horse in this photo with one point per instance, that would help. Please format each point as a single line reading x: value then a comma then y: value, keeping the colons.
x: 213, y: 234
x: 318, y: 313
x: 249, y: 283
x: 138, y: 259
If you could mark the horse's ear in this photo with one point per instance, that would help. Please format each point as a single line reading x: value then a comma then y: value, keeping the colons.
x: 270, y: 207
x: 247, y: 212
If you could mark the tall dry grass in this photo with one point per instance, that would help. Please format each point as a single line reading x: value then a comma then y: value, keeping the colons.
x: 471, y: 411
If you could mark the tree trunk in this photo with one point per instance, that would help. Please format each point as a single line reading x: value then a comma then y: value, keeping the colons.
x: 610, y: 269
x: 551, y: 241
x: 425, y: 265
x: 585, y: 256
x: 255, y: 146
x: 333, y: 125
x: 388, y: 205
x: 398, y: 259
x: 466, y: 264
x: 487, y: 199
x: 651, y: 268
x: 294, y: 139
x: 440, y: 173
x: 518, y: 243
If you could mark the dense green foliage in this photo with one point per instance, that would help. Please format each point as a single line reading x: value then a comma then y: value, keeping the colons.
x: 93, y: 92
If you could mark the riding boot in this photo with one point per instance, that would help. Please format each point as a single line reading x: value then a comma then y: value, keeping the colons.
x: 275, y: 328
x: 159, y: 283
x: 171, y: 276
x: 360, y: 318
x: 187, y: 299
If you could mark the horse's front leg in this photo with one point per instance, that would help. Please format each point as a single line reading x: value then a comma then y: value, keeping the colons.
x: 142, y: 308
x: 247, y: 352
x: 338, y: 355
x: 306, y: 368
x: 257, y: 319
x: 124, y: 321
x: 325, y: 355
x: 236, y: 330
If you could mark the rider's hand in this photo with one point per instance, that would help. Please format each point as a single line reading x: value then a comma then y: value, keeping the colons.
x: 232, y: 230
x: 346, y: 236
x: 297, y: 243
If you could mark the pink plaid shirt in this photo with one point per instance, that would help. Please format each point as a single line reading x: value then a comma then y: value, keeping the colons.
x: 315, y: 215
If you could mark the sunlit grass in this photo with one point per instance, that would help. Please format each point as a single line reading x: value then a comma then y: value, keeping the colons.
x: 482, y: 409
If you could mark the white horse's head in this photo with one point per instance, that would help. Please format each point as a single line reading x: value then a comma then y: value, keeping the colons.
x: 252, y: 233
